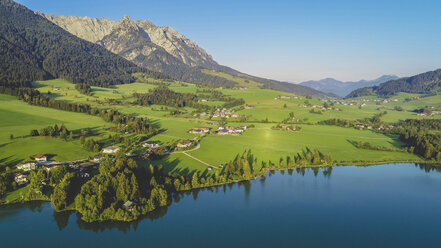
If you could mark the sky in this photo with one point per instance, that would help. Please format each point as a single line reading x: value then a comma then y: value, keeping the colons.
x: 292, y: 40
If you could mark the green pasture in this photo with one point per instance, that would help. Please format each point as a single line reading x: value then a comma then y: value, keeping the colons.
x: 19, y: 118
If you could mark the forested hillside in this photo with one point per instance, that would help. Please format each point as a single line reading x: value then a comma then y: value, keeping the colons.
x: 32, y: 48
x: 422, y: 83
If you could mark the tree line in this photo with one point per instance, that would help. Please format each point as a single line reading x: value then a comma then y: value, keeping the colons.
x: 422, y: 136
x: 124, y: 122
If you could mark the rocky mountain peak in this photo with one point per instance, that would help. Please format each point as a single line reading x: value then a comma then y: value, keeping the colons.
x: 115, y: 34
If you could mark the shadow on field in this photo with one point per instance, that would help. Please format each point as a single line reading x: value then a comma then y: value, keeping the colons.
x: 38, y: 85
x: 6, y: 161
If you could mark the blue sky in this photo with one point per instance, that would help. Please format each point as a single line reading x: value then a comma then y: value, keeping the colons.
x: 291, y: 40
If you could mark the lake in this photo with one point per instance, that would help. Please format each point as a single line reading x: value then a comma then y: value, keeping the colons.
x: 393, y: 205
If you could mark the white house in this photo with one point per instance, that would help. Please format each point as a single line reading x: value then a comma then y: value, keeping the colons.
x: 111, y: 149
x: 20, y: 179
x: 150, y: 144
x: 27, y: 166
x: 184, y: 144
x: 40, y: 158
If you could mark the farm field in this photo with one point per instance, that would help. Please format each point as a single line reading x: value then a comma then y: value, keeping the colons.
x: 19, y: 118
x: 265, y: 143
x: 270, y: 145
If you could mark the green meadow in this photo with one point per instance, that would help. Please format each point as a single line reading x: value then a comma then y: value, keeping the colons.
x: 266, y: 144
x: 19, y: 118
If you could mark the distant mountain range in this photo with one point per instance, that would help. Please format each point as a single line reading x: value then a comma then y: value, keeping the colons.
x: 423, y: 83
x: 339, y: 88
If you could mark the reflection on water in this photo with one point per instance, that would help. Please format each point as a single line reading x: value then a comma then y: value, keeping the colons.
x: 9, y: 211
x: 289, y: 205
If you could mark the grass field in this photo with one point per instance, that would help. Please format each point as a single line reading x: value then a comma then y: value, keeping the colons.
x: 265, y: 143
x: 19, y: 118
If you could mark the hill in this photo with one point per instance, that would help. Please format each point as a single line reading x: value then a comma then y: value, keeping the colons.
x: 32, y: 48
x: 340, y: 88
x: 423, y: 83
x: 162, y: 49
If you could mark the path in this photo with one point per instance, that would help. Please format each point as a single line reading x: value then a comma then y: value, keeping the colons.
x: 200, y: 161
x: 190, y: 156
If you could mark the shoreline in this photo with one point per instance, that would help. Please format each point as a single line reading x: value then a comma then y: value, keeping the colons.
x: 255, y: 177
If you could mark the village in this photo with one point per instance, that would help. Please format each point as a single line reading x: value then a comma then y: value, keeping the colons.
x: 83, y: 167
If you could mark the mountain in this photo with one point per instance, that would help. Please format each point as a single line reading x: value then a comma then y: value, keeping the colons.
x: 162, y: 49
x: 423, y: 83
x: 33, y: 48
x: 330, y: 85
x: 156, y: 48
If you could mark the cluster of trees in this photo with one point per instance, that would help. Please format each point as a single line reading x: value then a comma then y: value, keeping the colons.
x: 375, y: 121
x: 369, y: 146
x: 90, y: 144
x: 119, y: 182
x: 215, y: 95
x: 83, y: 88
x: 304, y: 158
x: 422, y: 136
x: 64, y: 192
x: 164, y: 96
x: 313, y: 111
x: 52, y: 131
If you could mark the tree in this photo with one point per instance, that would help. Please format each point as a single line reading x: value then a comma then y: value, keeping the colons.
x: 11, y: 136
x: 34, y: 133
x: 62, y: 194
x: 195, y: 181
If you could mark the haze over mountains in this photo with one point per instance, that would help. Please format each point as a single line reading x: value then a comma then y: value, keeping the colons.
x: 424, y: 83
x: 340, y: 88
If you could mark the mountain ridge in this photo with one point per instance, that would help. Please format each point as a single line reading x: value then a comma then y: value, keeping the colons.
x: 33, y: 48
x: 341, y: 88
x: 162, y: 49
x: 422, y: 83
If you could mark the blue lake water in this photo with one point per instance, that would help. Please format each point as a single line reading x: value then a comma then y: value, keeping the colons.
x: 394, y: 205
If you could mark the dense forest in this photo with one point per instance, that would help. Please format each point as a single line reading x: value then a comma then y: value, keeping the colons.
x: 422, y: 136
x: 32, y: 48
x: 83, y: 88
x: 164, y: 96
x: 422, y: 83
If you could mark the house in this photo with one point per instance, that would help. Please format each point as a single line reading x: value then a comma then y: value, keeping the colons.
x: 40, y: 158
x: 97, y: 159
x: 27, y: 166
x: 20, y: 179
x: 223, y: 132
x: 361, y: 126
x: 184, y: 144
x: 249, y: 106
x: 111, y: 149
x: 235, y: 115
x: 150, y: 144
x: 129, y: 205
x: 200, y: 130
x: 235, y: 130
x: 159, y: 148
x: 285, y: 97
